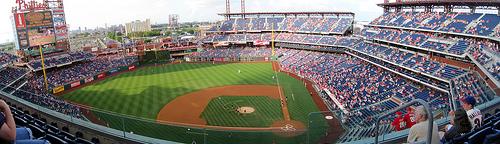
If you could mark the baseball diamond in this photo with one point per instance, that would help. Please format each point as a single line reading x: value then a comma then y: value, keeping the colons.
x: 201, y: 95
x: 287, y: 72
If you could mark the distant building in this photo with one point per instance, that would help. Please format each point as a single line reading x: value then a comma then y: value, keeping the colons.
x: 137, y: 26
x: 173, y: 20
x: 202, y: 30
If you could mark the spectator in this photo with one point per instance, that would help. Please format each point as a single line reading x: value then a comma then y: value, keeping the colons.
x: 418, y: 133
x: 409, y: 117
x: 399, y: 122
x: 459, y: 125
x: 8, y: 125
x: 473, y: 114
x: 8, y: 130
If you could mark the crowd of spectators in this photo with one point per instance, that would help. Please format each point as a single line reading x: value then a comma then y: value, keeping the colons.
x: 363, y: 89
x: 471, y: 85
x: 410, y: 60
x: 30, y: 91
x: 48, y: 101
x: 302, y: 24
x: 483, y: 24
x: 6, y: 58
x: 62, y: 59
x: 284, y: 37
x: 484, y: 51
x: 64, y: 75
x: 10, y: 74
x: 246, y: 52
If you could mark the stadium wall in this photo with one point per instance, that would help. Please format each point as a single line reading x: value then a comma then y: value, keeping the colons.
x: 228, y: 59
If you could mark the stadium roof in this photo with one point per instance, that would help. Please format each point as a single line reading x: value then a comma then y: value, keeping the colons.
x: 494, y: 3
x: 287, y: 13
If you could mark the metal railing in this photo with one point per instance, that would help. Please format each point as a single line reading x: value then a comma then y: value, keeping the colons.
x: 413, y: 102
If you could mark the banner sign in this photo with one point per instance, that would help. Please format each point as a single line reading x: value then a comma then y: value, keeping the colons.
x: 219, y: 59
x: 87, y: 80
x: 101, y: 75
x: 20, y: 21
x: 113, y: 71
x: 131, y: 67
x: 36, y: 19
x: 58, y: 89
x: 75, y: 84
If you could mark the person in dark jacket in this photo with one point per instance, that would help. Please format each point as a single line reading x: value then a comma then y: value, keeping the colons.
x: 460, y: 125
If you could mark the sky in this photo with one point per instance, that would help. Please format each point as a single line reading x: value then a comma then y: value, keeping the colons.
x: 94, y: 13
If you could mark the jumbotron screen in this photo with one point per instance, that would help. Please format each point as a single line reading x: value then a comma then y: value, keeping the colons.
x: 40, y: 27
x: 41, y: 36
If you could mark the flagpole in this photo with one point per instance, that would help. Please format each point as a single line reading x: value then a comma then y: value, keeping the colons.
x: 43, y: 69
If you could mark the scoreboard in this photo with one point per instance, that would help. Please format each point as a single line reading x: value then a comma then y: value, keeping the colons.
x: 35, y: 29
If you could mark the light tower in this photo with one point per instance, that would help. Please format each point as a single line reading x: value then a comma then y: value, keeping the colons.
x: 242, y: 6
x: 228, y: 6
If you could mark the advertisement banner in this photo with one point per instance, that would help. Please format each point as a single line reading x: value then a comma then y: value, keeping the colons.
x: 75, y: 84
x: 36, y: 19
x: 101, y: 75
x: 131, y: 67
x: 113, y: 71
x: 58, y: 89
x: 219, y: 59
x: 267, y: 59
x: 20, y: 21
x: 87, y: 80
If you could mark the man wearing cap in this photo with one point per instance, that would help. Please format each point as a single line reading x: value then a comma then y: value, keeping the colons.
x: 399, y: 123
x: 474, y: 114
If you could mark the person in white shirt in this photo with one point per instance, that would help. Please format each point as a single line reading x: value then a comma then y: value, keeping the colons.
x: 418, y: 132
x: 474, y: 114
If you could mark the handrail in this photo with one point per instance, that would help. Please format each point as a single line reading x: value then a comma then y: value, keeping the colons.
x: 429, y: 117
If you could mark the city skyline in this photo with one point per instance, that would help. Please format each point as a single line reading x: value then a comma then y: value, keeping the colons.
x: 81, y: 14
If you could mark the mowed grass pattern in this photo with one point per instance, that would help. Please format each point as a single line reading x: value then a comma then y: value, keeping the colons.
x: 221, y: 111
x: 142, y: 93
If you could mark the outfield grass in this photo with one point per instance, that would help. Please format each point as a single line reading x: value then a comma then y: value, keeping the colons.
x: 220, y: 111
x: 142, y: 93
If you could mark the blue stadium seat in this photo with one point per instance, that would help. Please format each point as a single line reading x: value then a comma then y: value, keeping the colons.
x: 479, y: 136
x: 95, y: 140
x: 82, y: 141
x: 37, y: 131
x: 496, y: 125
x: 54, y: 139
x: 492, y: 138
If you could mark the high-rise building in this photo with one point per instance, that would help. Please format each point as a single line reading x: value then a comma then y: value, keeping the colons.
x: 137, y: 26
x: 173, y: 20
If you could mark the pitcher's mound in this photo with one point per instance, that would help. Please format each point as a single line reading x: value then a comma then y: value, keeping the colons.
x: 246, y: 110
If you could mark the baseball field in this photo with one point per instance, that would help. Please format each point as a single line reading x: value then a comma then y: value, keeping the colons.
x: 228, y: 103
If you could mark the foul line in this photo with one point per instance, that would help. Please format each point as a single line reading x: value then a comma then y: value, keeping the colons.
x: 284, y: 107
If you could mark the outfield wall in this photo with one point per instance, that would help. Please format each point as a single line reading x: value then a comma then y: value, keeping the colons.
x: 228, y: 59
